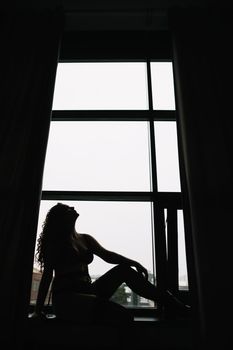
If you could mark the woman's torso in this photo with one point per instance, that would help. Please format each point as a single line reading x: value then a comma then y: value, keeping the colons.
x: 71, y: 267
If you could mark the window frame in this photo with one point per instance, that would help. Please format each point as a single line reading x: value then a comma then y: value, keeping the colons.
x: 166, y: 265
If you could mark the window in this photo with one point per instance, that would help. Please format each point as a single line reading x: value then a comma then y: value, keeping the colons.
x: 97, y: 156
x: 101, y: 86
x: 112, y: 154
x: 162, y: 86
x: 167, y: 161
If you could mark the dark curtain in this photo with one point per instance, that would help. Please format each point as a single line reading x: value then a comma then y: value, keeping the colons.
x: 203, y: 67
x: 29, y: 54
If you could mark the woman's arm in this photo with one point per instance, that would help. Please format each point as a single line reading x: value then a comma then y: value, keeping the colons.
x: 43, y: 289
x: 112, y: 257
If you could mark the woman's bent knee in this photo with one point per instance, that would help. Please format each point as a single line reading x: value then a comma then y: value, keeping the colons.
x: 125, y: 270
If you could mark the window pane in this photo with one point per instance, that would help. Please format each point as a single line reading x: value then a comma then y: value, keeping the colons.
x: 183, y: 276
x: 102, y: 85
x: 123, y: 227
x: 167, y: 161
x: 97, y: 156
x: 162, y: 86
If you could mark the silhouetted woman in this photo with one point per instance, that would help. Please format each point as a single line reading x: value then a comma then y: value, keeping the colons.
x: 64, y: 255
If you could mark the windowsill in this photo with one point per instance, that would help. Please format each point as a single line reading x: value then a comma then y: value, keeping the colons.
x: 148, y: 319
x: 141, y: 314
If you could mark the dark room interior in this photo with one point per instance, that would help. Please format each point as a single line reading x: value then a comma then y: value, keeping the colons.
x: 196, y: 38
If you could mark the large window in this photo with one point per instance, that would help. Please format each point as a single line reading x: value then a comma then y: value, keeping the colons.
x: 112, y: 154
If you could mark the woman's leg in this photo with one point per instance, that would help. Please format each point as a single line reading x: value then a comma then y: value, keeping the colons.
x: 106, y: 285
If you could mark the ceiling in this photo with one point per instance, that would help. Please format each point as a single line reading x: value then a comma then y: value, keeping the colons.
x: 115, y: 14
x: 109, y: 5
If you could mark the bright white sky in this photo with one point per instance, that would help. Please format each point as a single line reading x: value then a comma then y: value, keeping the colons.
x: 112, y: 156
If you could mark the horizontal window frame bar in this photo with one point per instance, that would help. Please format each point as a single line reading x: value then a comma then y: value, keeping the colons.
x: 113, y: 115
x: 143, y: 59
x: 165, y: 199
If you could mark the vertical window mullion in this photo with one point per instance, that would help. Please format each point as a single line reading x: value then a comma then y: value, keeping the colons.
x: 160, y: 245
x: 152, y: 132
x: 172, y: 249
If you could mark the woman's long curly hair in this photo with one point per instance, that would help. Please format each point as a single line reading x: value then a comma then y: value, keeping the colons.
x: 55, y: 230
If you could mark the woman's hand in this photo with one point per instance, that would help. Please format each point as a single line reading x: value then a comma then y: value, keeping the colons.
x: 141, y: 269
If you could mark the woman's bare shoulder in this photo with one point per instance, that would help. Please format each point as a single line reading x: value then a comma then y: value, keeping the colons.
x: 91, y: 241
x: 87, y: 237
